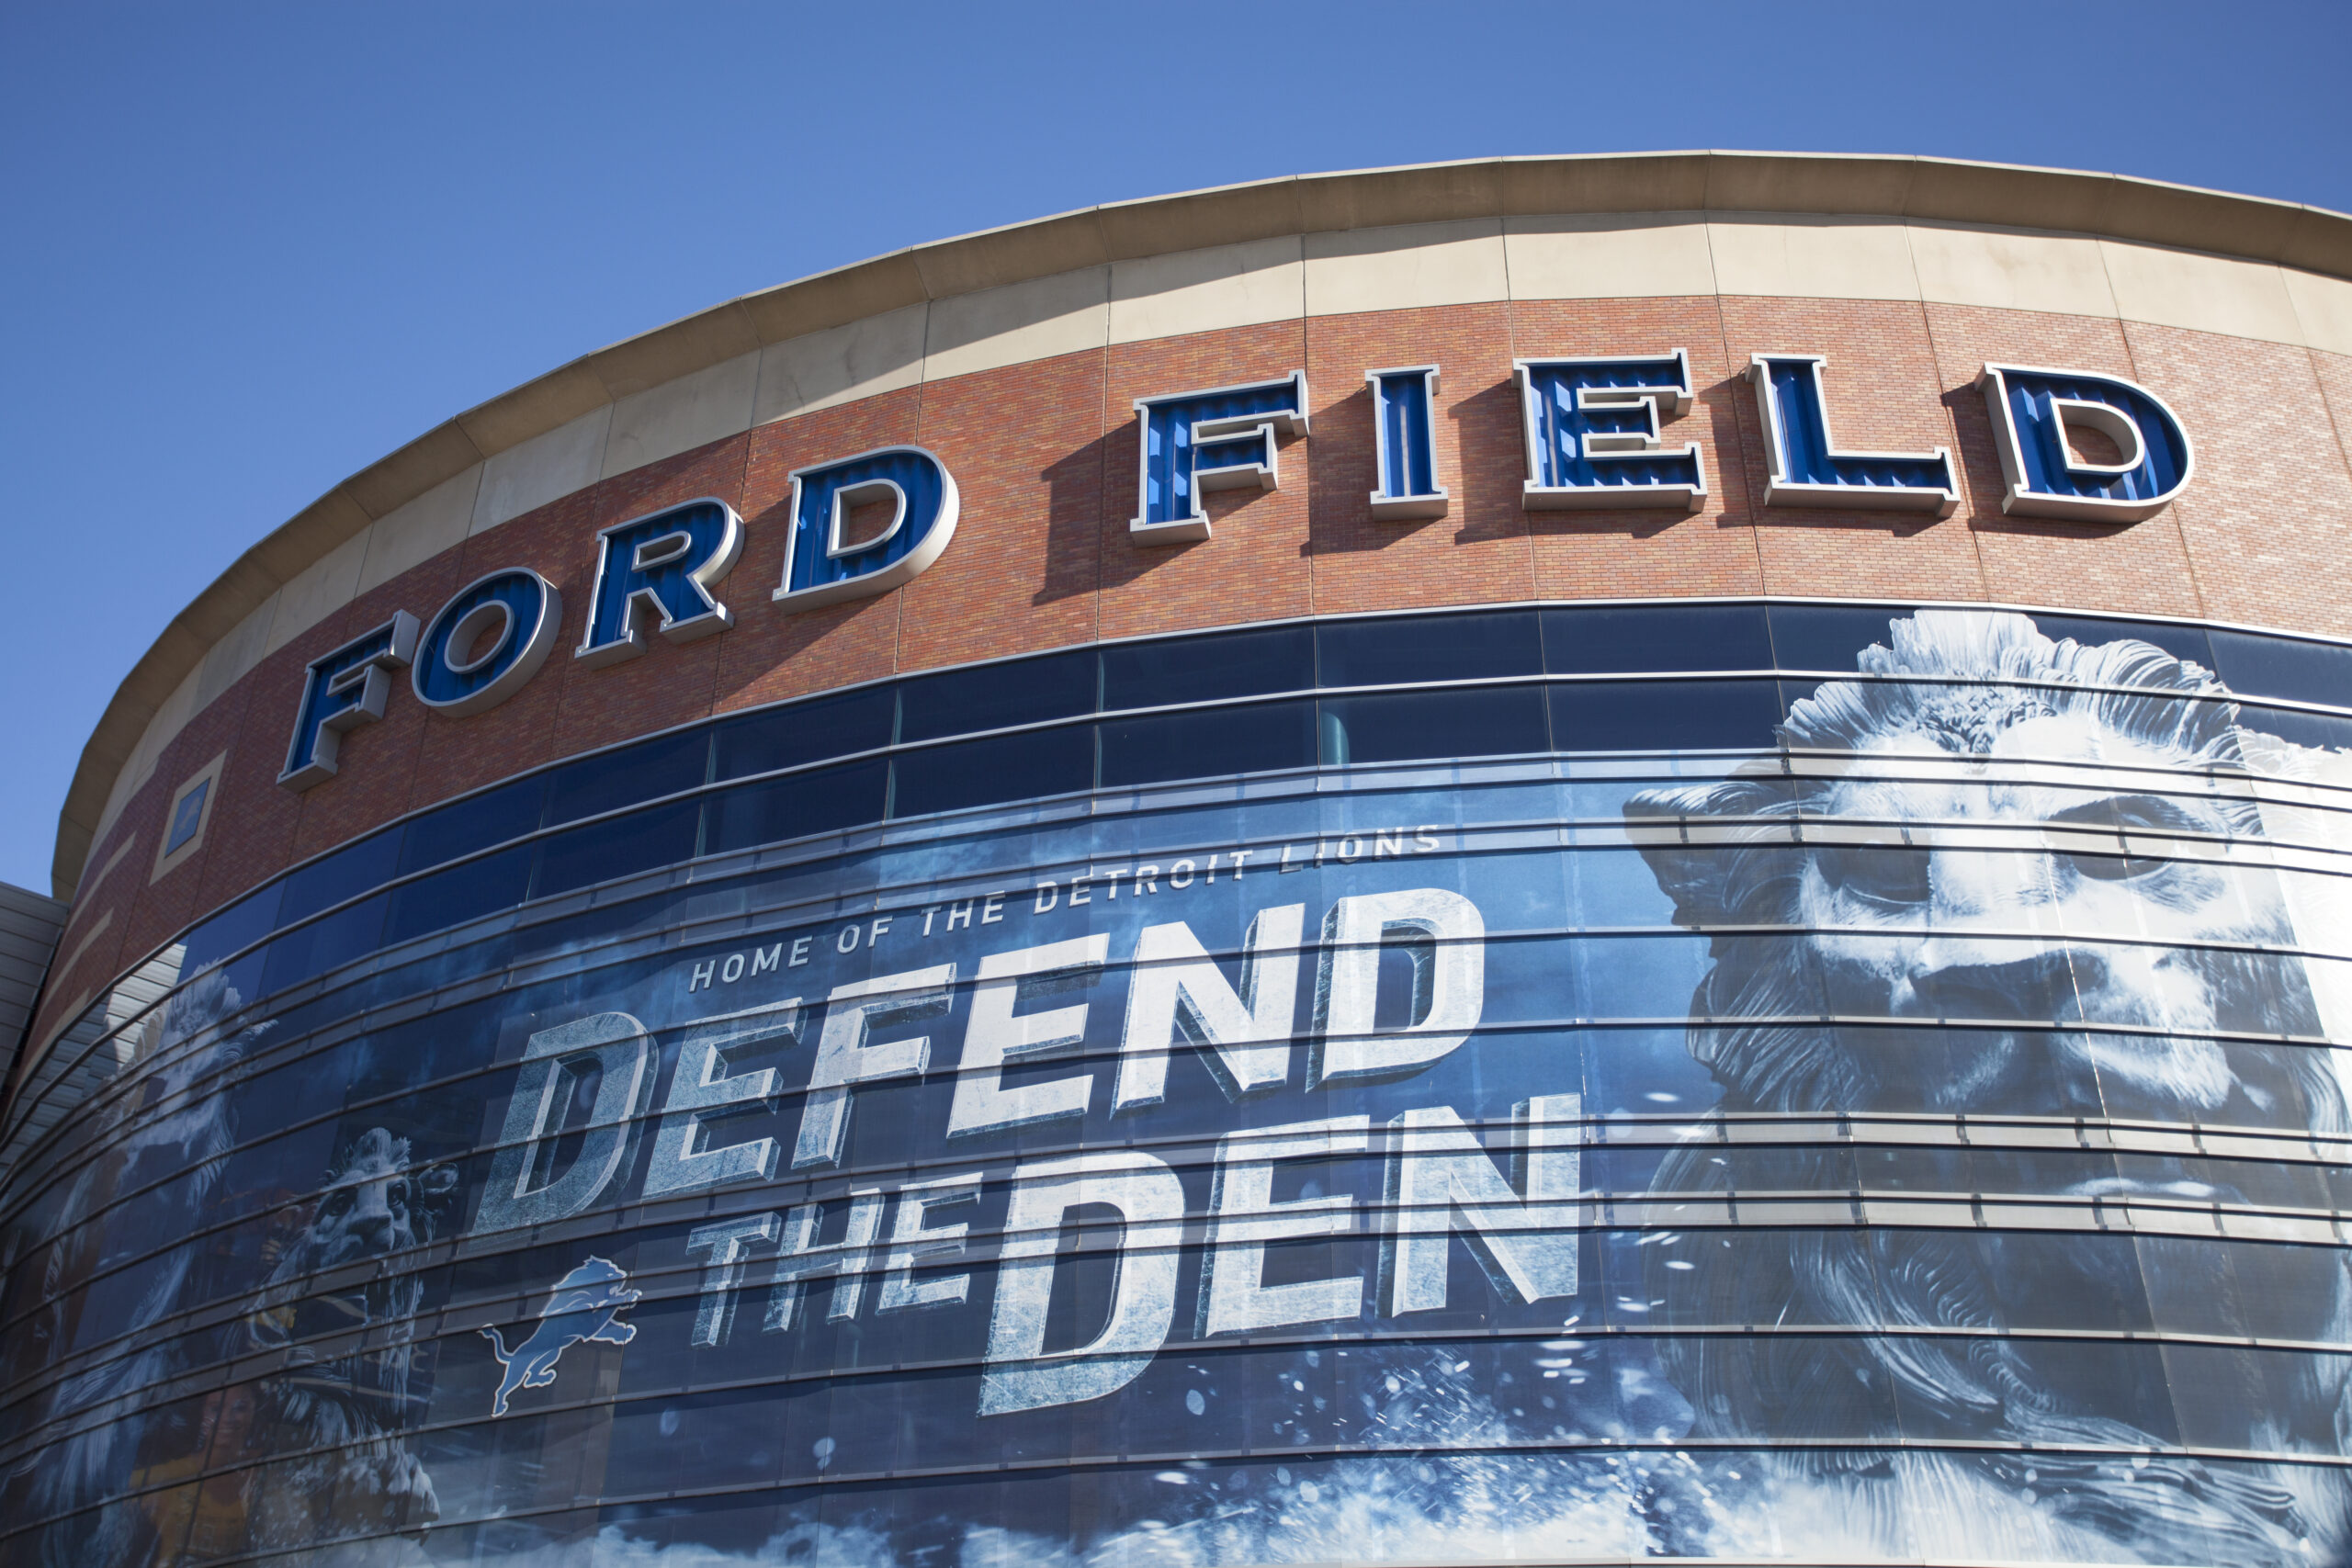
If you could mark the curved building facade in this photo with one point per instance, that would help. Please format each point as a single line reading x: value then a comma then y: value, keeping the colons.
x: 1560, y: 861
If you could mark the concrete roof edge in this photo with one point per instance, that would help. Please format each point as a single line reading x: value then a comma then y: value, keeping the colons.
x: 1894, y: 186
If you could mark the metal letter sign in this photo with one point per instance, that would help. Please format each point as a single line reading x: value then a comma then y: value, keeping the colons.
x: 664, y: 564
x: 1592, y: 433
x: 1403, y: 403
x: 489, y: 639
x: 1807, y: 469
x: 342, y: 691
x: 2034, y: 411
x: 824, y: 563
x: 1220, y: 439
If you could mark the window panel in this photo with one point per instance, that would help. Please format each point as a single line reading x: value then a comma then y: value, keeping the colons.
x: 997, y: 696
x: 614, y: 779
x: 1430, y: 648
x: 1656, y: 716
x: 247, y: 920
x: 818, y: 802
x: 1208, y: 743
x: 1203, y: 669
x: 1828, y: 637
x: 462, y: 893
x: 312, y: 949
x: 2282, y: 667
x: 622, y: 847
x: 462, y: 827
x: 985, y: 772
x: 1637, y: 639
x: 805, y: 732
x: 1400, y: 726
x: 350, y: 871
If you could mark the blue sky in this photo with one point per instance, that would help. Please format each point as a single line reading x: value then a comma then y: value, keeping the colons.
x: 249, y: 249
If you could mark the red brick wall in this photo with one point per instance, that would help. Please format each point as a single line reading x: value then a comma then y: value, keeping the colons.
x: 1044, y: 455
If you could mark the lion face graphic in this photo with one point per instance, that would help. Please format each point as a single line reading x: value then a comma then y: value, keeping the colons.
x: 1995, y: 878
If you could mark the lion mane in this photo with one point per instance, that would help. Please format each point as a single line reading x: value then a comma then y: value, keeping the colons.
x: 1955, y: 681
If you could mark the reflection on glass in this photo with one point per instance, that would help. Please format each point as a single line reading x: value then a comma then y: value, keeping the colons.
x: 1642, y: 715
x: 621, y: 846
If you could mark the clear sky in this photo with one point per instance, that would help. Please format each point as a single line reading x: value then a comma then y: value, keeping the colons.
x: 250, y: 248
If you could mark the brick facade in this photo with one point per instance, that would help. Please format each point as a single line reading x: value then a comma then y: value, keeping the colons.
x: 1044, y: 455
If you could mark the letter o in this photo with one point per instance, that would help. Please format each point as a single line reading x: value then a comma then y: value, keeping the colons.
x: 489, y: 639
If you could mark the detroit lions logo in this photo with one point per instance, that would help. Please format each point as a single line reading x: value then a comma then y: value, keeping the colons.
x: 586, y: 1305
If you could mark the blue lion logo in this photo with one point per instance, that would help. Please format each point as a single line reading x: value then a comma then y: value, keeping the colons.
x: 586, y: 1305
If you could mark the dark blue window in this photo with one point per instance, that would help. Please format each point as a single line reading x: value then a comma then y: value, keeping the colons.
x: 1659, y: 715
x: 1828, y: 637
x: 621, y: 847
x: 1203, y: 669
x: 476, y: 822
x: 997, y: 696
x: 2302, y: 729
x: 1208, y: 742
x: 614, y: 779
x: 1497, y: 721
x: 805, y: 732
x: 987, y: 772
x: 462, y: 893
x: 348, y: 873
x: 323, y: 944
x: 1430, y: 648
x: 2280, y: 667
x: 816, y: 802
x: 240, y: 924
x: 1636, y: 641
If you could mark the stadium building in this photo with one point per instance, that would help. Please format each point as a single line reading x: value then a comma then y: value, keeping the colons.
x: 1557, y: 860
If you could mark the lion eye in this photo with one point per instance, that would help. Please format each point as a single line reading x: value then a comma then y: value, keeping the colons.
x: 1882, y: 876
x: 2113, y: 868
x: 338, y: 1202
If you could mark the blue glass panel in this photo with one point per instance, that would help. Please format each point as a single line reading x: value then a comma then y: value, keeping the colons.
x: 1208, y: 742
x: 1652, y: 716
x: 242, y: 923
x: 462, y: 893
x: 1827, y: 636
x: 984, y: 772
x: 1400, y: 726
x: 1430, y: 648
x: 350, y: 871
x: 817, y: 802
x: 2283, y: 667
x: 997, y: 696
x: 804, y: 732
x: 312, y: 949
x: 2302, y: 729
x: 622, y: 847
x: 475, y: 823
x: 614, y: 779
x: 1203, y: 669
x: 1638, y: 639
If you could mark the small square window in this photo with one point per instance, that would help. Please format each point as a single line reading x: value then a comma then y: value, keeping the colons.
x: 187, y: 816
